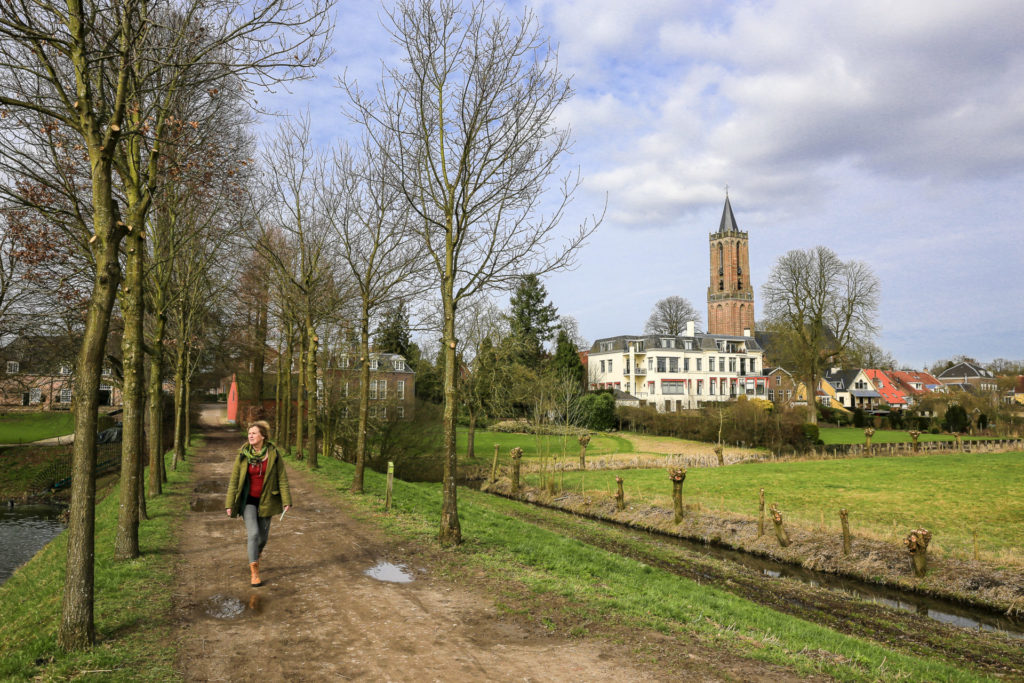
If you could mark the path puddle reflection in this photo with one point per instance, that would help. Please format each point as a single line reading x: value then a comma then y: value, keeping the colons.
x: 392, y: 573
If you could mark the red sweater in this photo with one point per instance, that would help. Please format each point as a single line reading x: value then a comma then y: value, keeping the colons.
x: 256, y: 473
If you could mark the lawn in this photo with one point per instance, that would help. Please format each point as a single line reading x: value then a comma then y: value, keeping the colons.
x: 535, y: 447
x: 27, y: 427
x: 844, y: 435
x: 954, y: 496
x: 567, y: 585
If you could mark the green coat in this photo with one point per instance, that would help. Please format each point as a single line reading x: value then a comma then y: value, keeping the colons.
x: 275, y: 494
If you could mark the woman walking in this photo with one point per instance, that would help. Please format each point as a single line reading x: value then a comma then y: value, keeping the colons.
x: 259, y: 488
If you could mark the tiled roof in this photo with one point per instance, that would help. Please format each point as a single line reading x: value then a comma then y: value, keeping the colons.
x: 965, y: 369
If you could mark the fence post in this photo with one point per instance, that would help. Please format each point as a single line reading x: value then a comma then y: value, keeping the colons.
x: 391, y: 481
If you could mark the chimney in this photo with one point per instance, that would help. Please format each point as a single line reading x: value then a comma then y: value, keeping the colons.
x: 746, y: 331
x: 690, y: 328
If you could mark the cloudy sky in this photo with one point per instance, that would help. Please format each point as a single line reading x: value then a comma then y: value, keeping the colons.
x: 892, y: 133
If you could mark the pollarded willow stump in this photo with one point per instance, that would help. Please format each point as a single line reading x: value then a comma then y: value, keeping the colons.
x: 914, y: 435
x: 868, y: 433
x: 677, y: 475
x: 620, y: 495
x: 494, y: 463
x: 844, y: 517
x: 516, y: 455
x: 959, y: 440
x: 720, y: 452
x: 917, y: 545
x: 584, y: 440
x: 760, y: 513
x: 780, y: 530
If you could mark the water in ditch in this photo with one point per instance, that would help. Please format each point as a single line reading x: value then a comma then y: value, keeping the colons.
x: 24, y: 530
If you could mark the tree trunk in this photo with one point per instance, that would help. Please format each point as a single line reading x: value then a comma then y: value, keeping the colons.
x: 286, y: 370
x: 278, y: 408
x: 126, y: 540
x: 471, y: 436
x: 77, y: 628
x: 720, y: 452
x: 311, y: 388
x: 179, y: 408
x: 677, y: 475
x: 780, y: 530
x: 450, y: 532
x: 845, y: 519
x: 364, y: 399
x: 620, y: 495
x: 155, y: 402
x: 584, y: 441
x: 259, y: 357
x: 300, y: 397
x: 494, y: 464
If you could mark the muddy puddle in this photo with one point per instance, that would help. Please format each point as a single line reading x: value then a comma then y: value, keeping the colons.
x: 390, y: 573
x: 211, y: 487
x: 206, y: 503
x: 231, y: 607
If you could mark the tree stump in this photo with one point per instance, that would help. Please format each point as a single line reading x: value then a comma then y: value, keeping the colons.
x: 620, y: 496
x: 845, y: 519
x: 868, y: 433
x: 720, y: 452
x: 914, y: 434
x: 677, y: 475
x: 516, y: 454
x: 494, y: 463
x: 780, y: 530
x: 917, y: 545
x: 760, y: 514
x: 959, y: 440
x: 584, y: 440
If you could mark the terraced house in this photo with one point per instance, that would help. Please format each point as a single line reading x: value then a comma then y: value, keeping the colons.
x: 682, y: 372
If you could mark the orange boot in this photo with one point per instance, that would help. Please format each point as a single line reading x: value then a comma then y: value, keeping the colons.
x: 254, y: 569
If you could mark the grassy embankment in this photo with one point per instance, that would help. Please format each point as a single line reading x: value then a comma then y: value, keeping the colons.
x: 132, y: 608
x: 843, y: 435
x: 573, y: 588
x: 953, y: 495
x: 28, y: 427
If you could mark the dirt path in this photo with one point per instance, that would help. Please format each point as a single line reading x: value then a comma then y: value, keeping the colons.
x: 319, y: 617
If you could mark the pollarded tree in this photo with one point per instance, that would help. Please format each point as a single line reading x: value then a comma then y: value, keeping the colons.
x: 817, y: 307
x: 466, y: 124
x: 670, y: 316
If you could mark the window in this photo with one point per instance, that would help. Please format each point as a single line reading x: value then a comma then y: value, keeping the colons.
x: 732, y: 365
x: 382, y: 389
x: 399, y: 365
x: 650, y: 363
x: 401, y: 412
x: 400, y: 389
x: 374, y: 363
x: 700, y: 385
x: 753, y: 365
x: 12, y: 367
x: 677, y: 387
x: 673, y: 364
x: 721, y: 365
x: 65, y: 395
x: 698, y: 364
x: 106, y: 372
x: 826, y: 401
x: 627, y: 366
x: 384, y: 412
x: 712, y: 386
x: 686, y: 365
x: 65, y: 369
x: 373, y: 389
x: 35, y: 395
x: 606, y: 346
x: 662, y: 364
x: 711, y: 363
x: 609, y: 366
x: 771, y: 394
x: 344, y: 363
x: 319, y: 389
x: 668, y: 343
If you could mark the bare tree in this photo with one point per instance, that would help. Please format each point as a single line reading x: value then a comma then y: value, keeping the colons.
x: 670, y: 316
x: 818, y: 307
x: 77, y: 66
x: 378, y: 251
x: 467, y: 127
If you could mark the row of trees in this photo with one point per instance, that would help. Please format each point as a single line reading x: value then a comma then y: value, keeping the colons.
x: 123, y: 145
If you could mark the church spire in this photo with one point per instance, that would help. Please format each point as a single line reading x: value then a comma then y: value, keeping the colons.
x: 728, y: 223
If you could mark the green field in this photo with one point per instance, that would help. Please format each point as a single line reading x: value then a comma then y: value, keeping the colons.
x: 28, y: 427
x: 953, y: 495
x: 842, y: 435
x: 535, y: 447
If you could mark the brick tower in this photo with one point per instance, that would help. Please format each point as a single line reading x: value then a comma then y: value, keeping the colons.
x: 730, y: 295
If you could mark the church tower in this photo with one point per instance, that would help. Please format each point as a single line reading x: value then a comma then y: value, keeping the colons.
x: 730, y: 295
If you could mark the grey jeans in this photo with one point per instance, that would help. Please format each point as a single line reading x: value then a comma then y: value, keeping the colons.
x: 257, y: 528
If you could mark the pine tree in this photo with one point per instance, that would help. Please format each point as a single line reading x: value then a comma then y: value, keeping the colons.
x: 393, y: 332
x: 566, y: 361
x: 532, y: 321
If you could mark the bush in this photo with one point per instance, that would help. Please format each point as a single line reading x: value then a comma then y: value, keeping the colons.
x: 598, y: 411
x: 956, y: 419
x: 811, y: 432
x: 858, y: 418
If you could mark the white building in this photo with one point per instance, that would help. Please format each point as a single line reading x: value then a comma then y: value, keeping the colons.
x: 679, y: 373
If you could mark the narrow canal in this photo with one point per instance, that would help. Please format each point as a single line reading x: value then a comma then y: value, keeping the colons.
x: 24, y: 530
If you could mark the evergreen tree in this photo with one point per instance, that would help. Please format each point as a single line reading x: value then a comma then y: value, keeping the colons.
x: 393, y: 332
x: 532, y: 321
x: 566, y: 361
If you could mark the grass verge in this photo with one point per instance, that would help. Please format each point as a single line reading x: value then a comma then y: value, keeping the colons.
x: 576, y: 587
x: 851, y: 435
x: 26, y: 427
x: 535, y: 447
x: 955, y: 496
x: 133, y: 616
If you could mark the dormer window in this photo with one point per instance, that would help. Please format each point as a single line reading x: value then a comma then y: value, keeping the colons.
x: 400, y: 365
x: 374, y: 363
x: 65, y: 369
x: 12, y: 367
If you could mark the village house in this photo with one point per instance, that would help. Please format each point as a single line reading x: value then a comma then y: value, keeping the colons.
x: 676, y: 373
x: 969, y: 377
x: 38, y: 372
x: 854, y: 390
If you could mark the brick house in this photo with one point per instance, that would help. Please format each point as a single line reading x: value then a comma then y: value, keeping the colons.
x: 38, y: 372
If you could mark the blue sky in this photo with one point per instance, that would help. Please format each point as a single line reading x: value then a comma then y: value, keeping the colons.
x: 892, y: 133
